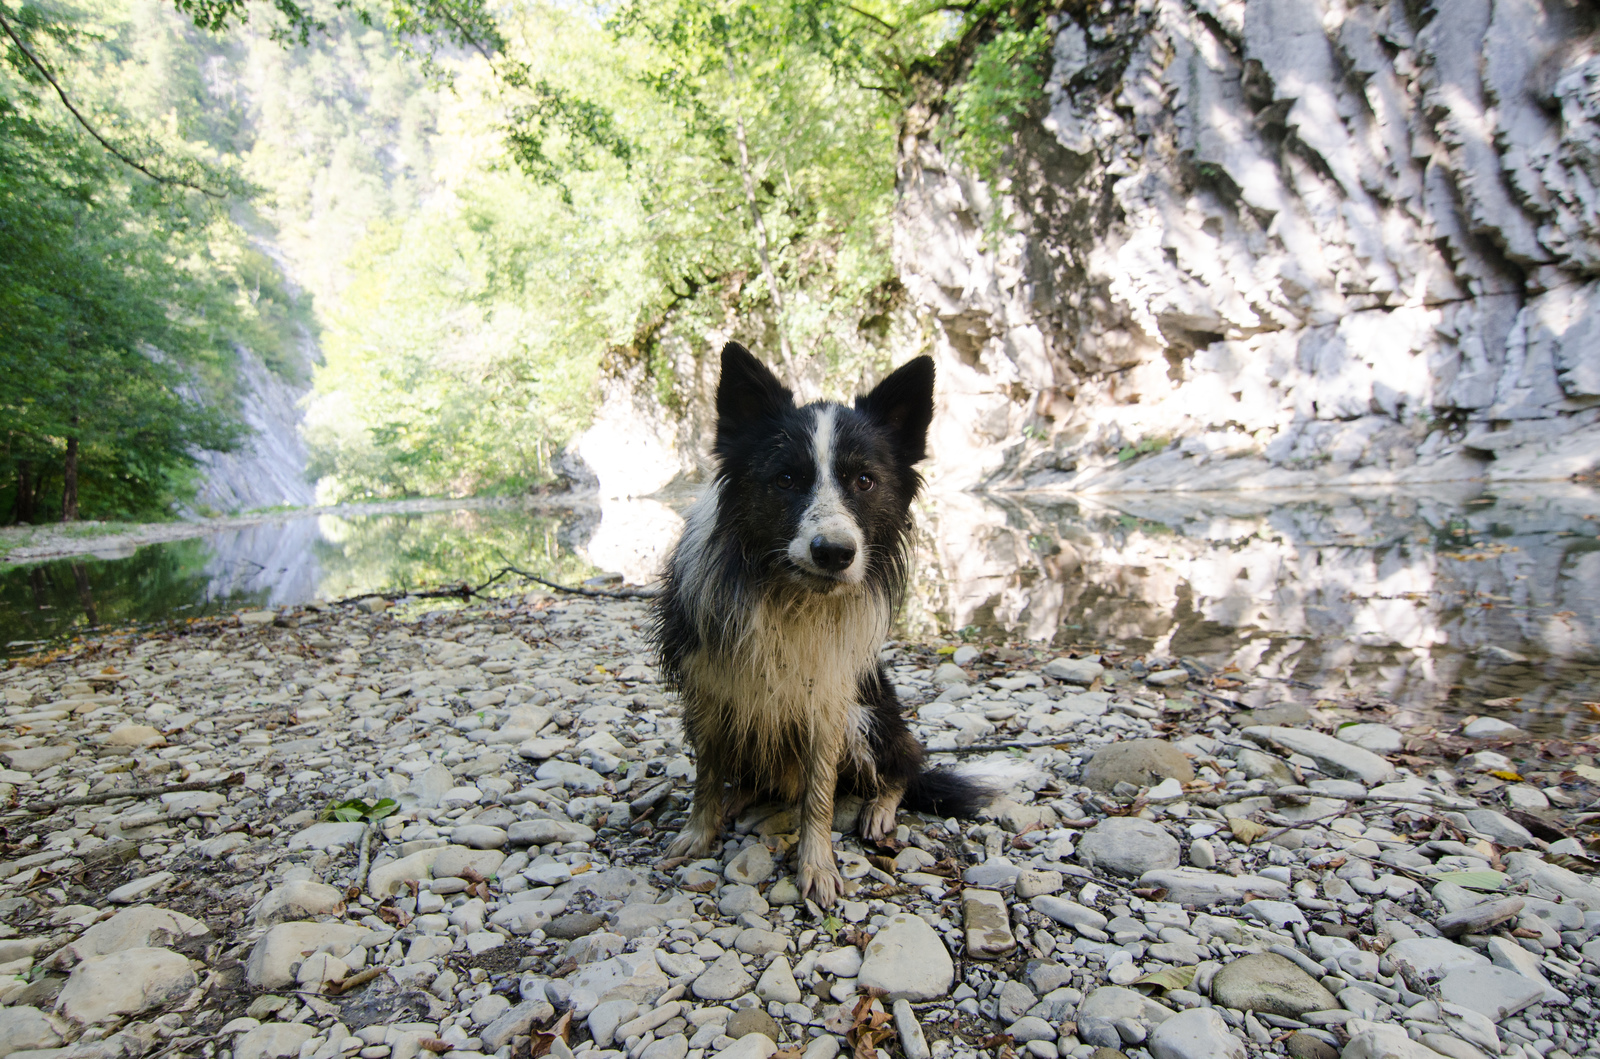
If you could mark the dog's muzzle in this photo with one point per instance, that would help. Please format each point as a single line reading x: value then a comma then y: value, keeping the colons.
x: 832, y: 556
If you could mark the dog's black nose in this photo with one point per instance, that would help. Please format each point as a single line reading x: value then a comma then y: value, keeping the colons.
x: 831, y: 555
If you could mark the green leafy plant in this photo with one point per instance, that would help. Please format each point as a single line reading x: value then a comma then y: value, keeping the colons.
x: 1144, y: 447
x: 1005, y: 80
x: 355, y: 810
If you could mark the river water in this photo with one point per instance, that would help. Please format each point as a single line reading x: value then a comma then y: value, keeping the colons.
x: 1445, y: 602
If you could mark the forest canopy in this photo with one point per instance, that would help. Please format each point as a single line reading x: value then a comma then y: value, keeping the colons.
x: 467, y: 215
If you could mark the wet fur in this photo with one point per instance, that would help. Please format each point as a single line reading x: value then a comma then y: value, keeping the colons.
x: 777, y: 665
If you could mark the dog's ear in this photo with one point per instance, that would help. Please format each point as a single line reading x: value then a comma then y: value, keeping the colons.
x: 903, y: 402
x: 747, y: 390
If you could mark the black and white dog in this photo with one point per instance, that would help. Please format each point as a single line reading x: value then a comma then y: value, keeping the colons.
x: 777, y: 599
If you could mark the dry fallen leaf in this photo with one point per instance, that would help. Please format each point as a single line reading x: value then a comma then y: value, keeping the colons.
x: 543, y: 1039
x: 868, y: 1027
x: 1246, y: 831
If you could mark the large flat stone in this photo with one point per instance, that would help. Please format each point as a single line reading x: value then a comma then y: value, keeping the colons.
x: 1129, y: 846
x: 988, y: 924
x: 1268, y: 982
x: 1192, y: 886
x: 1494, y: 991
x: 1141, y: 762
x: 276, y: 958
x: 102, y: 988
x: 1336, y: 758
x: 138, y: 927
x: 907, y: 959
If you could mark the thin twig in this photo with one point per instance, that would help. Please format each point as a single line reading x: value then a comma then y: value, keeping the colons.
x: 130, y: 792
x: 355, y: 981
x: 978, y: 748
x: 66, y: 101
x: 579, y: 590
x: 366, y: 855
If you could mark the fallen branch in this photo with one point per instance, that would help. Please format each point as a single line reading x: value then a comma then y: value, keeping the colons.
x: 111, y: 148
x: 366, y: 855
x: 979, y: 748
x: 117, y: 794
x: 465, y: 592
x: 580, y: 590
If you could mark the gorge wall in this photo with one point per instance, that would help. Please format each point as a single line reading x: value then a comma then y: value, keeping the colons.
x: 1276, y: 243
x: 269, y: 468
x: 1249, y: 244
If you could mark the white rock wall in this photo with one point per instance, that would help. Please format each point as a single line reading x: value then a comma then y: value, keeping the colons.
x: 1266, y: 243
x: 269, y: 468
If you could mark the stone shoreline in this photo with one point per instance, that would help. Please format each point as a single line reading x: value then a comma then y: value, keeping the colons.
x: 1193, y: 869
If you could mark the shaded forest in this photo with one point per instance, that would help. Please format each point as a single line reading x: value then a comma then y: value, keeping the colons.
x: 454, y: 220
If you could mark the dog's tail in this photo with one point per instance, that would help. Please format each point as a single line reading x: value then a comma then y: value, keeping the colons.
x: 964, y: 790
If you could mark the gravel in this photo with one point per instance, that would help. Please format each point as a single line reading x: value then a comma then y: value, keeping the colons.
x: 537, y: 768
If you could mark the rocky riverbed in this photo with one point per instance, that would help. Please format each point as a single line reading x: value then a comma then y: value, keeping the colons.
x: 1183, y: 878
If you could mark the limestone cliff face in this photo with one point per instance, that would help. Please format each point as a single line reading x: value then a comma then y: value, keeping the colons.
x: 269, y: 469
x: 1256, y: 243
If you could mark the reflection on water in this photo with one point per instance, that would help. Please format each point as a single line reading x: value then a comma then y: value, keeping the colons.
x: 284, y: 562
x: 1439, y: 602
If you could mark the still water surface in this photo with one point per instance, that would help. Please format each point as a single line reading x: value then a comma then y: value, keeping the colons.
x: 1446, y: 603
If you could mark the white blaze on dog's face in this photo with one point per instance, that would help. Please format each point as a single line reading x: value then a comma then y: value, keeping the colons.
x: 828, y: 541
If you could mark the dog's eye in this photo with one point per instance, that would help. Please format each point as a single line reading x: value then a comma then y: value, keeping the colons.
x: 785, y: 481
x: 864, y: 482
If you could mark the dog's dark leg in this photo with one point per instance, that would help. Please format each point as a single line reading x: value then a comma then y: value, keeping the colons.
x: 896, y: 755
x: 818, y: 875
x: 706, y: 815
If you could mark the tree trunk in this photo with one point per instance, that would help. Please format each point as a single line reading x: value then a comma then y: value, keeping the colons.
x: 22, y: 510
x: 85, y: 595
x: 69, y: 485
x: 759, y: 224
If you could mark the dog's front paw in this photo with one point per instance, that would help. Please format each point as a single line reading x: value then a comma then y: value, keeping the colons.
x: 877, y: 819
x: 691, y: 842
x: 822, y: 883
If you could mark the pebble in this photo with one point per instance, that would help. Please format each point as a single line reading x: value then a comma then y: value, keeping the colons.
x: 128, y: 893
x: 1141, y: 762
x: 1074, y: 670
x: 907, y: 959
x: 1268, y: 982
x: 750, y: 1046
x: 1340, y: 760
x: 1199, y: 1033
x: 753, y: 865
x: 988, y: 924
x: 300, y: 899
x: 1192, y: 886
x: 1378, y: 738
x: 913, y: 1043
x: 725, y: 979
x: 125, y: 983
x: 1128, y: 846
x: 777, y: 983
x: 540, y: 773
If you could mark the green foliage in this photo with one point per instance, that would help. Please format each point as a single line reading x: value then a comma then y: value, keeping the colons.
x: 354, y: 810
x: 123, y: 294
x: 1006, y: 78
x: 1144, y: 447
x: 491, y: 206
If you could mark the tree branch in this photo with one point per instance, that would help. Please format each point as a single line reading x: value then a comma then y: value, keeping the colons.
x: 66, y: 101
